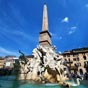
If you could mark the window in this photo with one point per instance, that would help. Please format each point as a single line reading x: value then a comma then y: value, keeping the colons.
x: 64, y: 55
x: 77, y: 58
x: 83, y: 54
x: 74, y: 59
x: 75, y: 64
x: 7, y: 63
x: 68, y: 55
x: 69, y: 59
x: 81, y: 71
x: 84, y: 57
x: 78, y: 64
x: 65, y: 59
x: 75, y: 55
x: 86, y: 63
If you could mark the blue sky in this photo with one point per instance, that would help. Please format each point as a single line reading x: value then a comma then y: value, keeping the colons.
x: 21, y: 22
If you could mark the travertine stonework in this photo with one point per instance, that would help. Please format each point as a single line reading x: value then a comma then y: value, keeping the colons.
x: 45, y: 66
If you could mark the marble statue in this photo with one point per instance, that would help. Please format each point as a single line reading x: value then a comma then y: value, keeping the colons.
x: 45, y: 66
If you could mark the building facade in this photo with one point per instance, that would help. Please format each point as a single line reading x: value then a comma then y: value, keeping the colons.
x: 7, y: 62
x: 2, y: 62
x: 77, y: 60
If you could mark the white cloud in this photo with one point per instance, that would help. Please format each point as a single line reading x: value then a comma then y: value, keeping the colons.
x: 19, y: 37
x: 60, y: 37
x: 72, y: 30
x: 74, y: 27
x: 55, y: 36
x: 86, y: 5
x: 51, y: 33
x: 4, y: 51
x: 21, y: 34
x: 66, y: 20
x: 25, y: 36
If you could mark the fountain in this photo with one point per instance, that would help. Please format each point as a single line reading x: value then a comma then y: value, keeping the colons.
x: 45, y: 66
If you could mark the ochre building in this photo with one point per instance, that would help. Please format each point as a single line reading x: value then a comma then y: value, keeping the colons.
x: 77, y: 60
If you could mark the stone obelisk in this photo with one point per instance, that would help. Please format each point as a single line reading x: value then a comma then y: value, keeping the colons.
x: 45, y: 37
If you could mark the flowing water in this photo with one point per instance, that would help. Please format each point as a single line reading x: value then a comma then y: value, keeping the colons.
x: 9, y: 82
